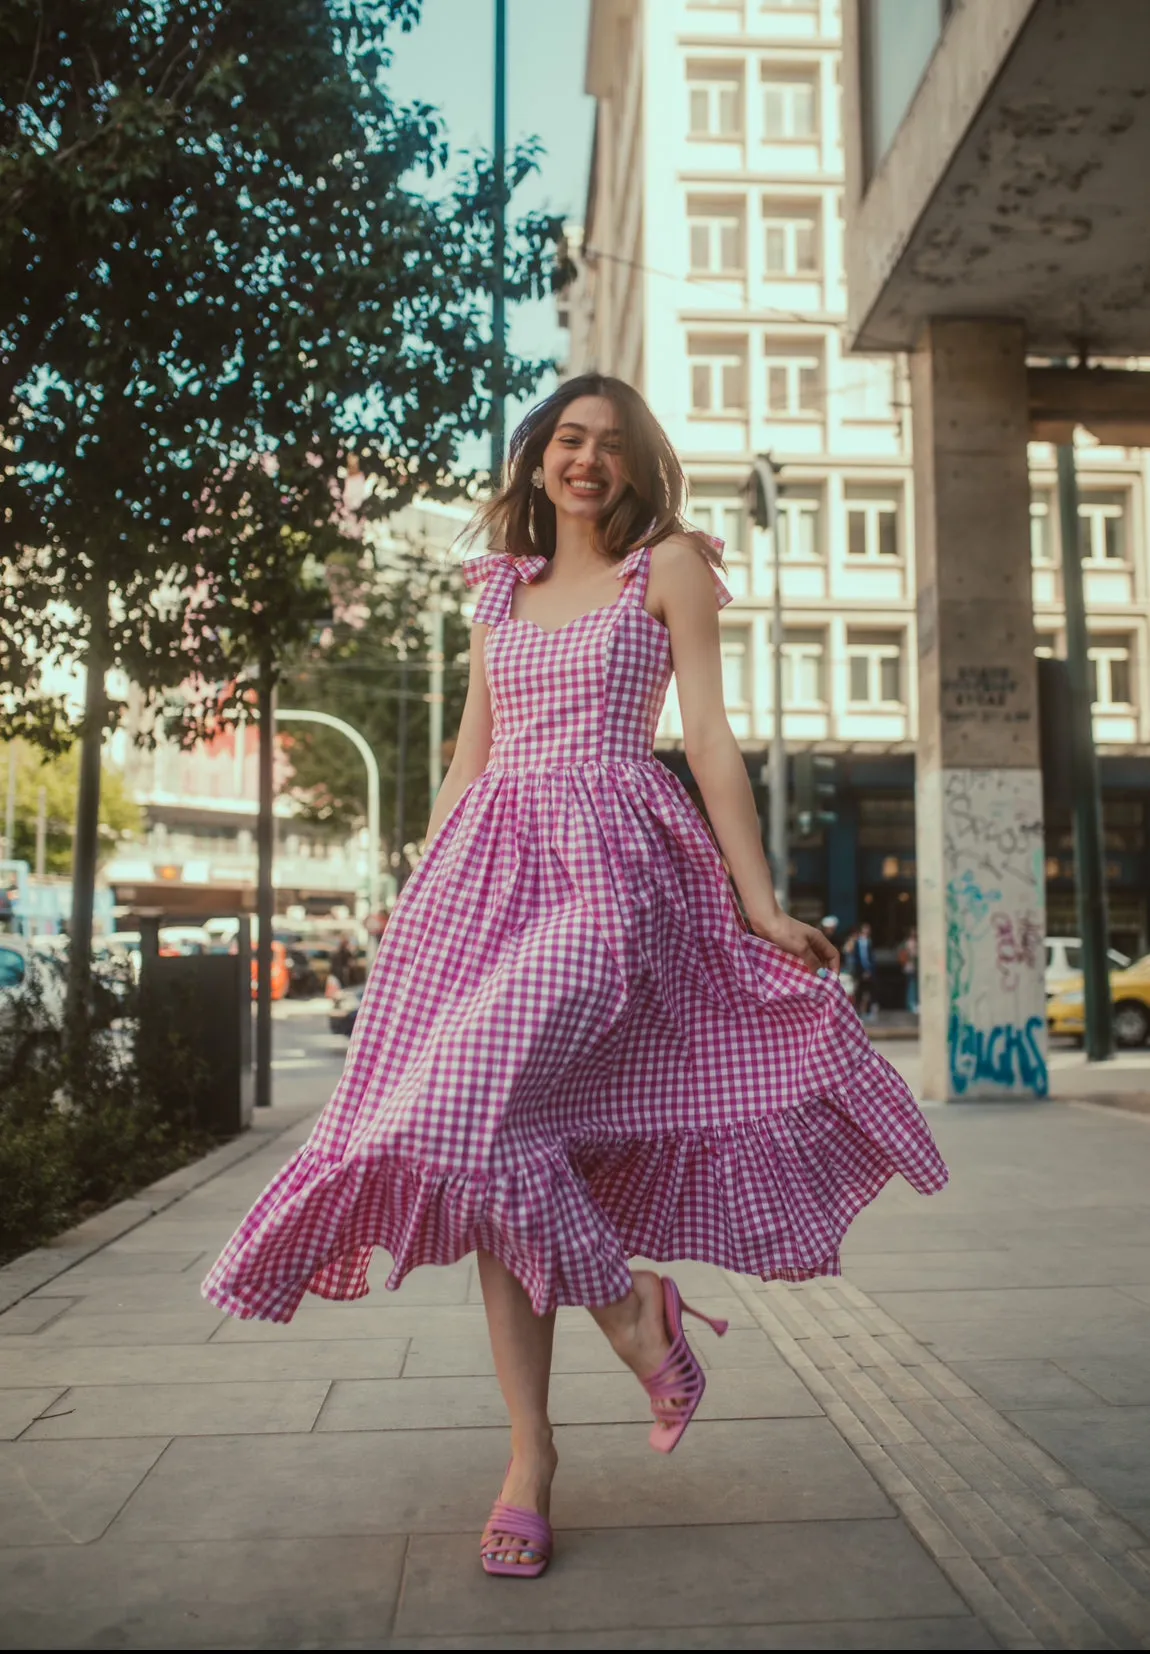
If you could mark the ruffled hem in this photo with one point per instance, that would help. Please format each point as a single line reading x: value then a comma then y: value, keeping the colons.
x: 771, y: 1197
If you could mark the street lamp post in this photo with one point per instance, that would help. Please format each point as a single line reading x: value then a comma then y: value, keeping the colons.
x: 373, y: 811
x: 762, y: 492
x: 498, y: 251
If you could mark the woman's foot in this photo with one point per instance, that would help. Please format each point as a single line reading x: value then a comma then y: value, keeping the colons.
x: 527, y: 1486
x: 639, y: 1333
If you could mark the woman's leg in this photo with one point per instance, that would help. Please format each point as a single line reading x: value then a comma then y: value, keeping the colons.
x: 521, y: 1343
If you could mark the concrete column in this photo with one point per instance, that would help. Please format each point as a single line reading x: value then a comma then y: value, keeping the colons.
x: 981, y: 886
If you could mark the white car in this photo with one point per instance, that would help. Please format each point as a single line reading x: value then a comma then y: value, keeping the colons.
x: 1064, y: 962
x: 32, y: 993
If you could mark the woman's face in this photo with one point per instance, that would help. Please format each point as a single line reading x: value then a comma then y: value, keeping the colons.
x: 583, y: 462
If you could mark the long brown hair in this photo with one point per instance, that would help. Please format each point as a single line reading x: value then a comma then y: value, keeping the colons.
x: 521, y: 519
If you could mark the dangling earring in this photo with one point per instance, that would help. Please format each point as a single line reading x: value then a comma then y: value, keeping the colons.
x: 537, y: 477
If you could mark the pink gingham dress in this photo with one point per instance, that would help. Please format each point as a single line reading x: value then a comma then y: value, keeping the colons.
x: 571, y: 1050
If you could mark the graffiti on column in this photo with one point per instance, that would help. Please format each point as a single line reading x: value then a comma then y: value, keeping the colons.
x: 992, y: 823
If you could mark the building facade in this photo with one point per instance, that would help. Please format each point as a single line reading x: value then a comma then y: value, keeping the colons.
x: 712, y: 275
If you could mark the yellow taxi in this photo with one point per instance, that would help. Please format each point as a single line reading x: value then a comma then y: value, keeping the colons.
x: 1130, y: 993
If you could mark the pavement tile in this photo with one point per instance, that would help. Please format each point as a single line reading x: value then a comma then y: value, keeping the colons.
x: 1123, y: 1379
x: 19, y: 1407
x: 319, y: 1318
x: 1024, y: 1384
x: 115, y: 1263
x: 435, y: 1354
x: 132, y: 1295
x: 444, y: 1480
x: 256, y: 1407
x: 1107, y: 1448
x: 214, y: 1363
x: 576, y: 1398
x: 33, y: 1314
x: 1019, y: 1324
x: 951, y: 1633
x: 652, y: 1578
x: 314, y: 1593
x: 139, y: 1329
x: 66, y: 1493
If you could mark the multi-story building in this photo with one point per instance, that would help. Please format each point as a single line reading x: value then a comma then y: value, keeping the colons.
x: 712, y: 276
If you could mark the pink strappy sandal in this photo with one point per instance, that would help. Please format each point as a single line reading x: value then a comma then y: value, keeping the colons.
x: 511, y: 1529
x: 677, y: 1388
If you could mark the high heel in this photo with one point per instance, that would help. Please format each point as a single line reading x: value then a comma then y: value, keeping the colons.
x: 677, y: 1388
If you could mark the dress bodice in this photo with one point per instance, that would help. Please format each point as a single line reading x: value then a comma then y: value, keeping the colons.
x: 590, y: 692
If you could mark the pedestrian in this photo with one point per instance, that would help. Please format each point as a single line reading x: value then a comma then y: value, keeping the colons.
x: 571, y: 1051
x: 829, y: 926
x: 864, y: 975
x: 341, y: 962
x: 908, y: 959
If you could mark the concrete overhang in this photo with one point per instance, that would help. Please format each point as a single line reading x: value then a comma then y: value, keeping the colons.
x: 1017, y: 185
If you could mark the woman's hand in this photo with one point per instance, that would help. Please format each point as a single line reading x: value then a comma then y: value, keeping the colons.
x: 807, y: 944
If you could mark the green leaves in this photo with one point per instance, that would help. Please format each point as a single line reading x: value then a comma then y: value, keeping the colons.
x: 217, y: 275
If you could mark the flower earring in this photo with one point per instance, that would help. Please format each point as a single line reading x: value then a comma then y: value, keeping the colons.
x: 537, y: 477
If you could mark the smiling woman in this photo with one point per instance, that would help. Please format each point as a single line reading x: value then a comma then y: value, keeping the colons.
x: 572, y: 1050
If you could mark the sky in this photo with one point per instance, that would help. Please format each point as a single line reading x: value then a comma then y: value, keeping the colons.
x: 448, y: 61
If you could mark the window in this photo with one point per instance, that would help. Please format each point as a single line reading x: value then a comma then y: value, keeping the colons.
x: 716, y: 240
x: 790, y: 236
x: 789, y: 108
x: 798, y: 527
x: 722, y: 515
x: 794, y: 383
x: 804, y: 670
x: 868, y: 387
x: 716, y: 101
x: 1041, y: 552
x: 1101, y: 537
x: 872, y: 523
x: 736, y: 653
x: 718, y: 377
x: 1110, y: 681
x: 874, y: 669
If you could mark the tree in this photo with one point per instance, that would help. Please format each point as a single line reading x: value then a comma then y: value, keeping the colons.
x: 59, y: 775
x: 216, y: 273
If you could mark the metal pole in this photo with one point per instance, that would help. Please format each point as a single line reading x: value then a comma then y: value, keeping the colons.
x: 265, y: 891
x: 10, y: 813
x: 373, y: 790
x: 778, y: 763
x: 1089, y: 844
x: 499, y: 249
x: 402, y: 869
x: 435, y: 702
x: 41, y: 830
x: 85, y: 844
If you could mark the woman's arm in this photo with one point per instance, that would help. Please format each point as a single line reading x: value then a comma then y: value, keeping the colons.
x: 472, y: 744
x: 681, y: 589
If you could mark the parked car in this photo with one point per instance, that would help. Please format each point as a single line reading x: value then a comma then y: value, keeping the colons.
x: 31, y: 1006
x: 1130, y: 994
x: 1064, y: 963
x: 344, y: 1008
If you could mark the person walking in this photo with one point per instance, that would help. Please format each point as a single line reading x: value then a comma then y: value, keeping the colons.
x: 572, y: 1049
x: 864, y: 974
x: 908, y: 959
x: 341, y: 962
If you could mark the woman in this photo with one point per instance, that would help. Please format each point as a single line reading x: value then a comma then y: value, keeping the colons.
x: 571, y: 1050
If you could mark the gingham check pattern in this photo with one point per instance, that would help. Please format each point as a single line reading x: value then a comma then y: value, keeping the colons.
x: 570, y: 1050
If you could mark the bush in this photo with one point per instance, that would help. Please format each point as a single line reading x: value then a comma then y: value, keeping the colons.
x: 73, y: 1141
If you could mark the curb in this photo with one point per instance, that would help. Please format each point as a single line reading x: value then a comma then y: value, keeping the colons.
x: 26, y: 1274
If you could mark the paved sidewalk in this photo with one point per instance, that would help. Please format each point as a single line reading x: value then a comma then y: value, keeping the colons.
x: 948, y: 1449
